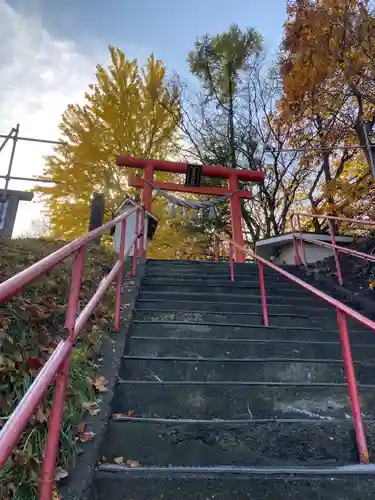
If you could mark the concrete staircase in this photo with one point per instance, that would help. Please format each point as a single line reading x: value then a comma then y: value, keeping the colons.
x: 210, y: 404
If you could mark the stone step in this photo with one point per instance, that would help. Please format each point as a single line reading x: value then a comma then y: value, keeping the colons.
x: 226, y: 283
x: 249, y: 266
x: 132, y: 484
x: 197, y: 348
x: 195, y: 263
x: 245, y: 318
x: 185, y: 305
x: 257, y: 444
x: 205, y: 330
x: 228, y: 288
x: 231, y: 297
x: 213, y: 274
x: 222, y: 269
x: 259, y: 370
x: 239, y: 401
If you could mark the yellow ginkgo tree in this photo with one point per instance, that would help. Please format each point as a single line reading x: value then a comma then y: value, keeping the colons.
x: 127, y: 110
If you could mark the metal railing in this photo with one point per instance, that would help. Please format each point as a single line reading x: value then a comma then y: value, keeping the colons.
x: 299, y: 240
x: 342, y: 313
x: 56, y: 369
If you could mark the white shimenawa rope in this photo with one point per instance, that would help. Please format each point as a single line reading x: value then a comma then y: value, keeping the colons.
x: 191, y: 204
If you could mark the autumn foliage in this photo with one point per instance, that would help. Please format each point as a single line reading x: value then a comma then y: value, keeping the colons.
x: 125, y: 110
x: 328, y: 96
x: 31, y: 325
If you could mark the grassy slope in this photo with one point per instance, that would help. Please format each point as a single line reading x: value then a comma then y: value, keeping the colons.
x: 30, y: 326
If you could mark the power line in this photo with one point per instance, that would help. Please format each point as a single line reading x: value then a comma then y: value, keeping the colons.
x: 270, y: 149
x: 32, y: 139
x: 30, y: 179
x: 267, y: 148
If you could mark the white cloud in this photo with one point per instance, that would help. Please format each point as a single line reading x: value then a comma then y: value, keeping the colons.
x: 39, y: 77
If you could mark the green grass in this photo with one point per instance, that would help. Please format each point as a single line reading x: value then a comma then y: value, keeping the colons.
x: 32, y: 323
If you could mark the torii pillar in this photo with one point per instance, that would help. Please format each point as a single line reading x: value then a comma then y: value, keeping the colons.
x: 232, y: 176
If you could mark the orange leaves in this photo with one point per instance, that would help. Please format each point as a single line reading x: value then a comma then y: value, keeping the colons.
x: 132, y: 464
x: 100, y: 384
x: 34, y: 364
x: 127, y: 414
x: 60, y: 474
x: 325, y: 42
x: 91, y: 407
x: 83, y: 436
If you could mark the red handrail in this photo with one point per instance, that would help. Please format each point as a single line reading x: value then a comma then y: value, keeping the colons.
x: 342, y: 312
x: 337, y: 249
x: 57, y: 366
x: 342, y: 219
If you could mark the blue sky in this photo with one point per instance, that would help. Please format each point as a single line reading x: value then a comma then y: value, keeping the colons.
x: 49, y: 50
x: 166, y: 27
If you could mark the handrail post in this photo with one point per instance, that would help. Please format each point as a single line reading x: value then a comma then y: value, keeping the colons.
x: 263, y: 293
x: 335, y: 252
x: 120, y: 275
x: 302, y: 243
x: 135, y: 244
x: 142, y: 237
x: 231, y: 261
x: 72, y: 307
x: 47, y: 475
x: 61, y: 383
x: 297, y: 258
x: 216, y: 249
x: 352, y: 388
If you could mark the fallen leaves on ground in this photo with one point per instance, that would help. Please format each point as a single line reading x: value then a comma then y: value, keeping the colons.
x: 128, y: 414
x: 55, y: 495
x: 31, y: 326
x: 92, y: 407
x: 129, y: 463
x: 84, y: 436
x: 132, y: 464
x: 60, y: 473
x: 100, y: 384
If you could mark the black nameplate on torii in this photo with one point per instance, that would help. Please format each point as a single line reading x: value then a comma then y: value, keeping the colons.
x: 193, y: 175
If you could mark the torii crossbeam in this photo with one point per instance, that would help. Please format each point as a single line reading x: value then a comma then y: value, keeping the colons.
x: 232, y: 176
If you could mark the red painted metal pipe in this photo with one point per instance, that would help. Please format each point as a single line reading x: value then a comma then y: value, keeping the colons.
x: 335, y: 252
x: 120, y: 276
x: 12, y: 430
x: 47, y: 475
x: 216, y: 249
x: 352, y: 389
x: 77, y: 275
x: 297, y: 258
x: 96, y: 298
x: 181, y: 168
x: 339, y: 248
x: 181, y: 188
x: 141, y: 237
x: 343, y: 219
x: 263, y: 294
x: 318, y: 293
x: 61, y: 384
x: 16, y: 283
x: 135, y: 246
x: 342, y: 311
x: 231, y: 261
x: 303, y: 248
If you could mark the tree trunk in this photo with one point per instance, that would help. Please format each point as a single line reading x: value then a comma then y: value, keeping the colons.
x: 232, y: 144
x: 361, y: 136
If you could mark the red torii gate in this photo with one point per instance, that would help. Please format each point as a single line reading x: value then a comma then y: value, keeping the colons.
x: 233, y: 177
